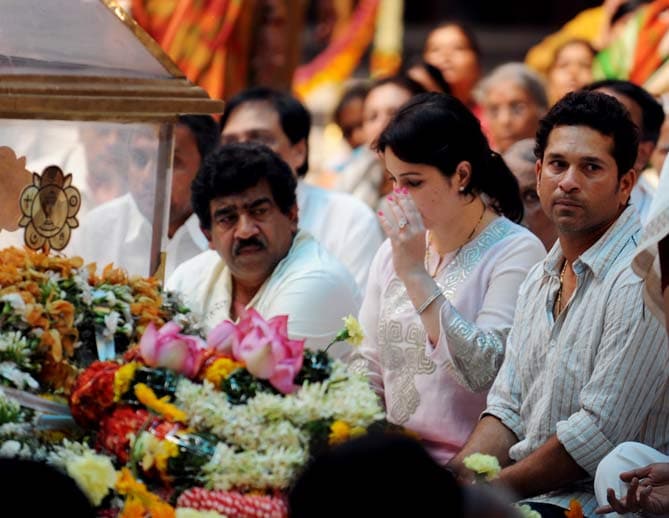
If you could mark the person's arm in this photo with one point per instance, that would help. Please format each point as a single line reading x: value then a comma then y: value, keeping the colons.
x: 476, y: 349
x: 547, y: 468
x: 614, y: 402
x: 490, y: 436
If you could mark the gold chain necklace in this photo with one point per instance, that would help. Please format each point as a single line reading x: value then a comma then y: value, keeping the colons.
x: 469, y: 237
x: 558, y: 301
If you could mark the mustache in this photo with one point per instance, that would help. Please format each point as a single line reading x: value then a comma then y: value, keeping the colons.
x: 252, y: 242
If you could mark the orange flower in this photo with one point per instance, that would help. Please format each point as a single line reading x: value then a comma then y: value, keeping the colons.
x: 113, y: 275
x: 575, y: 510
x: 61, y: 310
x: 35, y: 316
x: 50, y: 342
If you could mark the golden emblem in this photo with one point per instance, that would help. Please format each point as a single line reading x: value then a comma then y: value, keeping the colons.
x: 49, y: 208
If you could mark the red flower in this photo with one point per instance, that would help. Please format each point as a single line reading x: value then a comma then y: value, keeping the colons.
x: 115, y: 430
x: 93, y: 393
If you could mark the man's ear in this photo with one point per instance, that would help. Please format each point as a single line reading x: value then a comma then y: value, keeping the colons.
x: 293, y: 216
x: 626, y: 184
x: 643, y: 155
x: 298, y: 154
x: 537, y: 172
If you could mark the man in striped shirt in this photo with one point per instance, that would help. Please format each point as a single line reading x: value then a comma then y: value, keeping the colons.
x: 586, y: 364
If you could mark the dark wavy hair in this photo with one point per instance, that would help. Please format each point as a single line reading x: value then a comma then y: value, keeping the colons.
x: 438, y: 130
x: 234, y: 168
x: 600, y: 112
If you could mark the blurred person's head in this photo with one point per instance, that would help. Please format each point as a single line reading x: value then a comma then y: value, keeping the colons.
x: 453, y: 48
x: 513, y: 100
x: 106, y: 152
x: 427, y: 75
x: 522, y: 162
x: 273, y: 118
x: 195, y: 136
x: 244, y: 197
x: 661, y: 148
x: 395, y: 469
x: 348, y: 114
x: 645, y: 111
x: 142, y: 164
x: 434, y: 147
x: 384, y: 98
x: 570, y: 69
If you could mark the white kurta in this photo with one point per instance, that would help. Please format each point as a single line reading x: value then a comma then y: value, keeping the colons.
x: 117, y: 232
x: 344, y: 225
x: 309, y: 285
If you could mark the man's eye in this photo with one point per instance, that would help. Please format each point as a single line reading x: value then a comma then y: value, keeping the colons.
x: 530, y: 197
x: 261, y: 211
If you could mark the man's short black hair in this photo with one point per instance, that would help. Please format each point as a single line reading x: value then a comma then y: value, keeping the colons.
x: 294, y: 118
x: 652, y: 113
x: 234, y: 168
x: 600, y: 112
x: 205, y: 130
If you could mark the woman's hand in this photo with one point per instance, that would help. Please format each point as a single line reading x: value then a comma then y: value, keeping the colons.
x: 404, y: 226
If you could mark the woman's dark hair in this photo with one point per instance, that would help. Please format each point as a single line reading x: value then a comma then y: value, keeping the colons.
x: 438, y: 130
x: 234, y: 168
x: 399, y: 80
x: 434, y: 73
x: 626, y: 8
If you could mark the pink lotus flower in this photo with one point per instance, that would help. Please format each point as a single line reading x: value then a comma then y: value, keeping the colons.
x: 169, y: 348
x: 223, y: 337
x: 266, y: 350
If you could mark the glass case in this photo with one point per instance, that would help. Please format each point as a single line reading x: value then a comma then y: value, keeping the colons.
x: 88, y: 104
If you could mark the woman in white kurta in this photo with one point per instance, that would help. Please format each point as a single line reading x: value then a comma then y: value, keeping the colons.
x: 442, y: 289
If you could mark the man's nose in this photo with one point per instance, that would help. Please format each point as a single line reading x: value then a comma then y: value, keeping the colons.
x: 246, y: 227
x: 570, y: 180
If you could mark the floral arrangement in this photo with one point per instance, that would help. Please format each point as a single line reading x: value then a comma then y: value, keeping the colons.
x: 169, y: 421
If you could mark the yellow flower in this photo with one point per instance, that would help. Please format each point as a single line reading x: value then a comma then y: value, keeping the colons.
x: 220, y: 370
x: 354, y: 330
x: 95, y: 475
x: 527, y: 512
x: 339, y: 432
x: 156, y: 452
x: 161, y: 406
x: 140, y: 501
x: 123, y: 378
x: 483, y: 464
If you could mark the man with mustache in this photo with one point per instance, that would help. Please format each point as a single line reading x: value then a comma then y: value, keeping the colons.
x: 586, y: 363
x: 244, y: 197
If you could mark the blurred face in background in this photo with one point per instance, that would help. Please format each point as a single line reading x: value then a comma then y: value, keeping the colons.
x: 511, y: 112
x: 381, y: 103
x: 449, y: 49
x: 571, y: 70
x: 186, y: 164
x: 350, y: 121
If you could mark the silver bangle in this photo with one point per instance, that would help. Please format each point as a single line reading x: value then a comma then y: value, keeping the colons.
x: 429, y: 300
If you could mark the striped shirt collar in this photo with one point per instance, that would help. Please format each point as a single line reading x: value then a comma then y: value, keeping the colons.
x: 600, y: 256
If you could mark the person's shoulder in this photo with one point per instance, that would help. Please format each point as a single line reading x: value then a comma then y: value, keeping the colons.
x: 343, y: 204
x: 510, y: 234
x: 192, y: 269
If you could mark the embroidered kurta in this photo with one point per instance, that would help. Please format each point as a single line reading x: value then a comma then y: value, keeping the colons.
x: 595, y: 376
x: 439, y: 391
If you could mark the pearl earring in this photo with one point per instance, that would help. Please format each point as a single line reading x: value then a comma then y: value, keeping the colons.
x: 462, y: 188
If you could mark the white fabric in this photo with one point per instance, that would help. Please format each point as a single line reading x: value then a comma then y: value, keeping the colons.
x: 642, y: 196
x: 309, y: 285
x: 624, y: 457
x: 345, y: 226
x: 117, y: 232
x: 362, y: 176
x: 646, y: 263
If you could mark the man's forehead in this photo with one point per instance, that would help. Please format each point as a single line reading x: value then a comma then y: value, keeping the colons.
x: 250, y: 196
x: 579, y: 140
x: 252, y: 116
